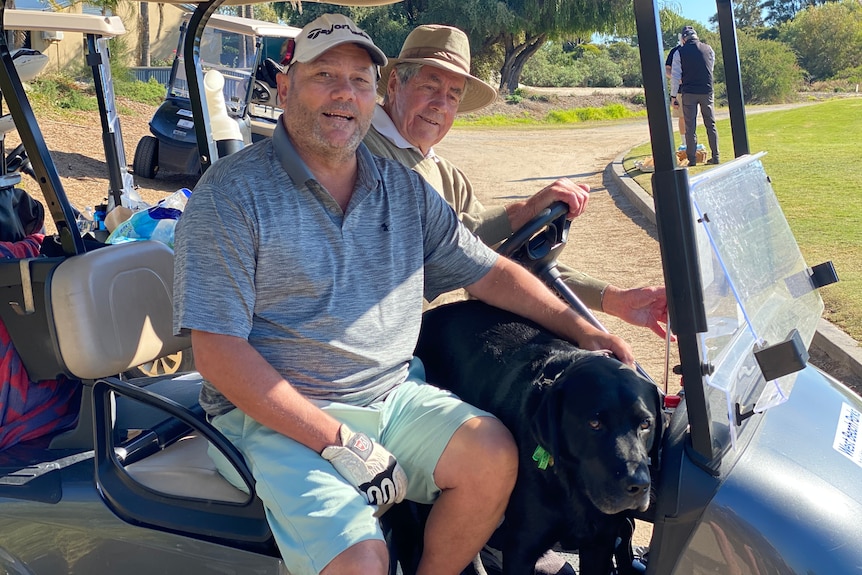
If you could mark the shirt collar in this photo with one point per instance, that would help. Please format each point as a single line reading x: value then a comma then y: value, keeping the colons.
x: 368, y: 176
x: 384, y: 124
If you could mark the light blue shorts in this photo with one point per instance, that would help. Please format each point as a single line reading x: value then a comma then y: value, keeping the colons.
x: 313, y: 512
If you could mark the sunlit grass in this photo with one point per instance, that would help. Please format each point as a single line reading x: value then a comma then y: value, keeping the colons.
x: 554, y: 117
x: 813, y: 162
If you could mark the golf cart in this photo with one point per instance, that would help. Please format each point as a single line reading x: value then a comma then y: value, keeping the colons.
x: 245, y: 53
x: 97, y: 30
x: 760, y: 463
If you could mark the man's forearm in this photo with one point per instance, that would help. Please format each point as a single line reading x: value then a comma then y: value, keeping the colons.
x: 245, y: 378
x: 588, y: 289
x: 511, y: 287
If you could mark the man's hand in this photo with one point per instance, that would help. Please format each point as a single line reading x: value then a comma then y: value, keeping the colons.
x: 597, y: 340
x: 563, y: 190
x: 367, y: 466
x: 646, y: 307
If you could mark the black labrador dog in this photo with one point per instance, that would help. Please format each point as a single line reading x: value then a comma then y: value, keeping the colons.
x: 586, y: 427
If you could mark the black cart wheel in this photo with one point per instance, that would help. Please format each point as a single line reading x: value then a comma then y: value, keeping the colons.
x: 147, y: 157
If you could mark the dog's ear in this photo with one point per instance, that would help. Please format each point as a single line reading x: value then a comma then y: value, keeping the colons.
x: 660, y: 424
x: 546, y: 423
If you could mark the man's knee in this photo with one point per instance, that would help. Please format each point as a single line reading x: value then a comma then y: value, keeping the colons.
x: 486, y: 447
x: 364, y: 558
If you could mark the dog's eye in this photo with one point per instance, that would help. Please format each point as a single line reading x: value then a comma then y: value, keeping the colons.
x: 595, y: 424
x: 646, y: 424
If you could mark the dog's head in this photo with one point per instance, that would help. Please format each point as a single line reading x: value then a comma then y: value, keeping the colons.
x: 600, y: 420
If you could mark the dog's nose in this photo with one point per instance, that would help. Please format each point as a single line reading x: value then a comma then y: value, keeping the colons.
x: 638, y: 483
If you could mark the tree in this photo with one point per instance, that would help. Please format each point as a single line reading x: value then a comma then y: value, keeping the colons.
x: 779, y: 11
x: 827, y: 39
x: 144, y: 32
x: 516, y: 29
x: 506, y: 33
x: 747, y: 14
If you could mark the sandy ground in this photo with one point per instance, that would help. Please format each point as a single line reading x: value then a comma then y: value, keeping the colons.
x: 610, y: 241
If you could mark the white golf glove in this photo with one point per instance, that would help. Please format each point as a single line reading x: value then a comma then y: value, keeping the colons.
x: 368, y: 467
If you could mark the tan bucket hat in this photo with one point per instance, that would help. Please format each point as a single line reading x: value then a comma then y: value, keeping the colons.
x: 446, y: 48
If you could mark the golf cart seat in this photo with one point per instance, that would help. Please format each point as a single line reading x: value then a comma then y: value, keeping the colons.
x: 268, y: 71
x: 95, y: 315
x: 90, y: 315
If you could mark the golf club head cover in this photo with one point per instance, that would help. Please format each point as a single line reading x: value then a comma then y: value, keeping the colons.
x: 368, y: 467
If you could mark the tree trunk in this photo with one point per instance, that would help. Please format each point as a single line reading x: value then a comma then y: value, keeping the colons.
x: 515, y: 58
x: 145, y: 34
x: 161, y: 6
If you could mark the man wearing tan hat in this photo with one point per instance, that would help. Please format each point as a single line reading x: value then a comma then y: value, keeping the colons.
x: 300, y: 276
x: 423, y: 89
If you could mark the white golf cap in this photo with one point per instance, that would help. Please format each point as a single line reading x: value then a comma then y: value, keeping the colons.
x: 329, y: 31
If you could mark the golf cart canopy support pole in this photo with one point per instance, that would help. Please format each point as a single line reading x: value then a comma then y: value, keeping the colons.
x: 675, y: 230
x: 119, y: 179
x: 732, y: 77
x: 207, y: 150
x: 37, y: 149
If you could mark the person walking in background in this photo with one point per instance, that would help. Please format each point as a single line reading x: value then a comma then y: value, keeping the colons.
x: 692, y: 81
x: 674, y: 100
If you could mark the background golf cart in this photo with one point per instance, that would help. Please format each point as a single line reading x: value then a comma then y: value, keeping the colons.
x: 716, y: 507
x: 238, y: 48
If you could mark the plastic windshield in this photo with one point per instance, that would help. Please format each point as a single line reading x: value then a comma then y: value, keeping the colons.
x: 757, y: 287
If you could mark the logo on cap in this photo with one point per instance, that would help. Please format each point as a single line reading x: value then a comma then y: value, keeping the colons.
x: 315, y: 32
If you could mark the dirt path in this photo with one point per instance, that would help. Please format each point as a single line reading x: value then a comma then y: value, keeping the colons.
x: 611, y: 241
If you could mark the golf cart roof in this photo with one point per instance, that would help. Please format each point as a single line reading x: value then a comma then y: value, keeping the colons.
x: 38, y: 21
x: 251, y: 27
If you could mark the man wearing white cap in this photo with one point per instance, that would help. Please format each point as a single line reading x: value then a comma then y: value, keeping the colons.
x: 423, y: 89
x: 301, y: 264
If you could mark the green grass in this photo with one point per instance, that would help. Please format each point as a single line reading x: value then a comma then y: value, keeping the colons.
x: 62, y: 93
x: 812, y: 160
x: 554, y: 117
x: 63, y: 96
x: 151, y: 92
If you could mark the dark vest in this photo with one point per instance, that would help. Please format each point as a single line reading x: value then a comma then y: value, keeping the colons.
x: 696, y: 74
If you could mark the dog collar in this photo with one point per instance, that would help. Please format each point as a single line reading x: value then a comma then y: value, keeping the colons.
x: 542, y: 458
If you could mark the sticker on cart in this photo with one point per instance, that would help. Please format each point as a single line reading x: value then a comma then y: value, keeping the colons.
x: 847, y: 434
x: 185, y: 124
x: 184, y: 112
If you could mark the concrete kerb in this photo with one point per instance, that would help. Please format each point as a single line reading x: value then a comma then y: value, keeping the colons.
x: 828, y: 338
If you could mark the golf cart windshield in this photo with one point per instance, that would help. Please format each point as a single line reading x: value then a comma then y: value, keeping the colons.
x: 757, y: 289
x: 231, y: 45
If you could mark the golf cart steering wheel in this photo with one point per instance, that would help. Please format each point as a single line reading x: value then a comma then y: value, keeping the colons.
x: 539, y: 241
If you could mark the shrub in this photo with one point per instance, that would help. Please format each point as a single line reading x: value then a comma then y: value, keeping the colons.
x: 150, y: 92
x: 827, y: 37
x: 550, y: 66
x: 62, y: 92
x: 608, y: 112
x: 600, y: 71
x: 769, y: 70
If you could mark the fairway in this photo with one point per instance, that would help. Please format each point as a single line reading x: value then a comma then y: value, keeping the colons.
x: 813, y: 162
